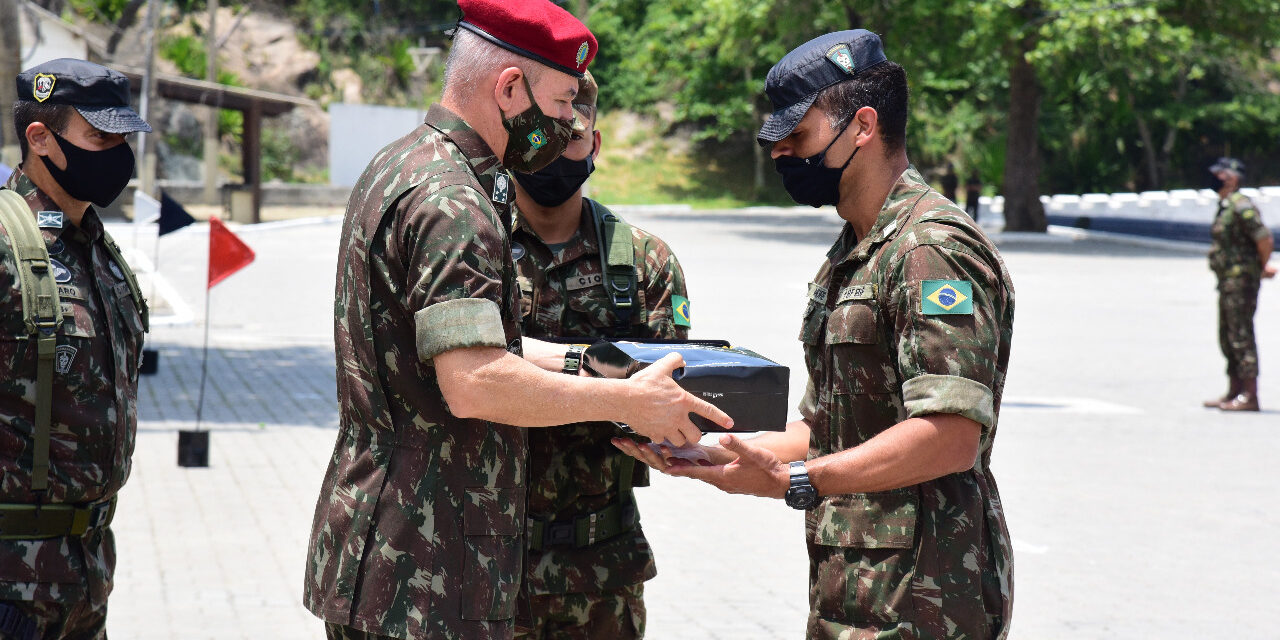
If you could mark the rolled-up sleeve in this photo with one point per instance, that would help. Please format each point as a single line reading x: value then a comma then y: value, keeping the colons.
x: 948, y: 358
x: 453, y: 249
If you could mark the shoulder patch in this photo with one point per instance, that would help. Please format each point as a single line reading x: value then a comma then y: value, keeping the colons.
x: 946, y: 297
x: 680, y: 311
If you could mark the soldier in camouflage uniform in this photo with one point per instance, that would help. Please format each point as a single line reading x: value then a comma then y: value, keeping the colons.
x: 60, y: 471
x: 906, y: 337
x: 418, y: 529
x: 577, y: 585
x: 1242, y: 245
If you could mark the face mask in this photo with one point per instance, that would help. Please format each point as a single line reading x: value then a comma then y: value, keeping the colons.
x: 534, y: 138
x: 557, y: 182
x: 808, y: 180
x: 92, y: 176
x: 1216, y: 183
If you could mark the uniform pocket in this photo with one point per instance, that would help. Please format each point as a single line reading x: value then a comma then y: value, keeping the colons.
x: 862, y: 362
x: 492, y: 521
x: 881, y: 520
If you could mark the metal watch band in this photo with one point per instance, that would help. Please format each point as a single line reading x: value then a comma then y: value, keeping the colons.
x: 572, y: 359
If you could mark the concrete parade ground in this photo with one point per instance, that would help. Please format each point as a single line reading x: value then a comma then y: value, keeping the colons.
x: 1135, y: 513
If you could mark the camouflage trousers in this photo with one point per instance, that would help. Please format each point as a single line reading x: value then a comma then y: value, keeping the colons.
x: 883, y: 594
x: 616, y: 615
x: 333, y: 631
x: 1237, y: 302
x: 75, y: 620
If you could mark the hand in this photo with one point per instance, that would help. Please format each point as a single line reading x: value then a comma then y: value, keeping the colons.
x: 1268, y: 271
x: 663, y: 410
x: 666, y: 455
x: 756, y: 471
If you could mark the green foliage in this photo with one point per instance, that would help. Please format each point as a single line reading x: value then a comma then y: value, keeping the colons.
x: 278, y: 155
x: 99, y: 10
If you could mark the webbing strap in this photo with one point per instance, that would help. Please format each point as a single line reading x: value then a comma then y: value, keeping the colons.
x: 617, y: 263
x: 35, y: 280
x: 134, y: 290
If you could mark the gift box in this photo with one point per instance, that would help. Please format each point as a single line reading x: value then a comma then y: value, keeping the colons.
x: 749, y: 387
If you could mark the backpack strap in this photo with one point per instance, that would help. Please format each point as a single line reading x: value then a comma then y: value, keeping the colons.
x: 134, y: 290
x: 617, y: 263
x: 42, y: 314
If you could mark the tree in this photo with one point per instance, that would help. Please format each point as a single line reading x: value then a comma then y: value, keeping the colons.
x: 10, y: 66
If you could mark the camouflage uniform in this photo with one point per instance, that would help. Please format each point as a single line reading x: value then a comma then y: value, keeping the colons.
x: 1237, y: 228
x: 62, y: 582
x: 914, y: 319
x: 573, y: 469
x: 418, y: 527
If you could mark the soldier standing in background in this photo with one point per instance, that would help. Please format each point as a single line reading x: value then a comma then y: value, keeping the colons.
x: 71, y: 330
x: 906, y: 337
x: 418, y: 529
x: 584, y: 272
x: 1241, y: 247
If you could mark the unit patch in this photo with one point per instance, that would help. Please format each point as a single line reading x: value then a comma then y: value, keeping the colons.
x: 61, y: 274
x: 63, y: 357
x: 943, y: 297
x: 585, y: 281
x: 115, y: 270
x: 517, y: 251
x: 840, y: 56
x: 56, y: 247
x: 49, y: 219
x: 42, y: 86
x: 680, y: 311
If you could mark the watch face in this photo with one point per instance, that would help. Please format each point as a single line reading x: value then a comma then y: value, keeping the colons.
x: 801, y: 497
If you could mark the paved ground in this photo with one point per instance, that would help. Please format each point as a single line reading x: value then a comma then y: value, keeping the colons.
x: 1134, y: 512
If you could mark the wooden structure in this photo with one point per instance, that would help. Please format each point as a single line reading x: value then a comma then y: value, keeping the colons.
x: 254, y: 104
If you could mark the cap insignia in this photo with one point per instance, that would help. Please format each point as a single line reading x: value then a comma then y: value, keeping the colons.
x: 583, y: 50
x: 42, y: 87
x: 840, y: 56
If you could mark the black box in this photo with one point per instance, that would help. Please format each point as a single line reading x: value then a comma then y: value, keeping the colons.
x: 749, y: 387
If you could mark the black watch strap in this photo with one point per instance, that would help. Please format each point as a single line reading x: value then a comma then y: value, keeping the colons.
x: 572, y: 359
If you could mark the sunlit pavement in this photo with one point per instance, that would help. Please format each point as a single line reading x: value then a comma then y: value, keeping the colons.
x: 1134, y: 512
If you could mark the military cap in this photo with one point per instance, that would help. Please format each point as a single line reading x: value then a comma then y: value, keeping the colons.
x: 535, y: 29
x: 795, y: 82
x: 1228, y: 164
x: 100, y: 94
x: 584, y: 104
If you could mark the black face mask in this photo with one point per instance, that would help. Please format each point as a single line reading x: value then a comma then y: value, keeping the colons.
x: 1216, y: 183
x: 552, y: 185
x: 92, y: 176
x: 808, y: 180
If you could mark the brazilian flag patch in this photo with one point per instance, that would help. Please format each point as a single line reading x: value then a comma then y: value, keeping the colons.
x: 680, y: 311
x: 946, y: 297
x: 538, y: 139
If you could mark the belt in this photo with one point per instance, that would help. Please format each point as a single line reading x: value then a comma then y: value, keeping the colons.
x: 584, y: 530
x: 33, y: 522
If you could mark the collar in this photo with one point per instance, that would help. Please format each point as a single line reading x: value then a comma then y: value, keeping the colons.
x: 483, y: 162
x: 90, y: 229
x: 894, y: 214
x: 586, y: 238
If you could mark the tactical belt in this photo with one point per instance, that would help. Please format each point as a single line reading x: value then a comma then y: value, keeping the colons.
x: 33, y: 522
x: 589, y: 528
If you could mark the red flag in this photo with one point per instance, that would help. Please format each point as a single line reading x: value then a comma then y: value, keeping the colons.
x: 227, y: 253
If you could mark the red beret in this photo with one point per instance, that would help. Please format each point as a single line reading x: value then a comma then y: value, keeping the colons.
x: 535, y: 29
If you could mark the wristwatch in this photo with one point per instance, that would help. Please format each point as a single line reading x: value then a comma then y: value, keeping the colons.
x: 572, y: 359
x: 801, y: 494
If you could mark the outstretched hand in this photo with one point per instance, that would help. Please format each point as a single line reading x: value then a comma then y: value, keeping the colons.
x: 665, y: 407
x: 753, y: 470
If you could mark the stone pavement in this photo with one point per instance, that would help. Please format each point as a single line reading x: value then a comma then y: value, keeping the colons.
x: 1134, y: 512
